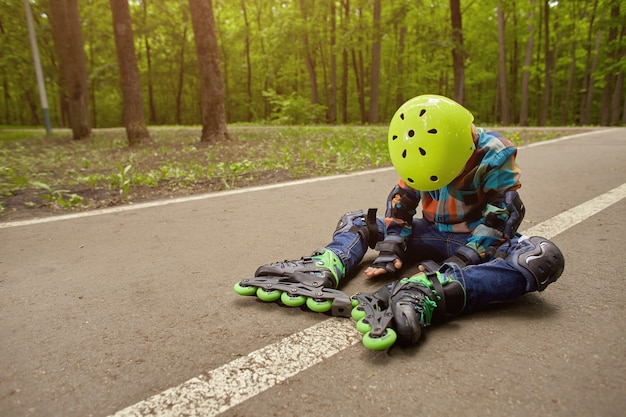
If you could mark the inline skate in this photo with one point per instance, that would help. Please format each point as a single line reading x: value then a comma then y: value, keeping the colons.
x: 311, y: 281
x: 401, y: 310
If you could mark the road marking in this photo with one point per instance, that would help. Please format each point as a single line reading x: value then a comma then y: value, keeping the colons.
x: 218, y: 194
x: 573, y: 216
x: 235, y: 382
x: 207, y: 196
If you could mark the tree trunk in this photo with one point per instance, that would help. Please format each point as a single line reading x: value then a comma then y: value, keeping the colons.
x: 345, y: 64
x: 266, y: 78
x: 248, y: 60
x: 359, y: 75
x: 528, y: 59
x: 458, y: 53
x: 332, y: 99
x: 588, y: 78
x: 400, y: 87
x: 134, y: 121
x: 181, y: 76
x: 308, y: 56
x: 565, y: 100
x: 375, y: 77
x: 547, y: 55
x: 151, y: 105
x: 585, y: 117
x: 68, y: 39
x: 502, y: 84
x: 211, y: 83
x: 610, y: 77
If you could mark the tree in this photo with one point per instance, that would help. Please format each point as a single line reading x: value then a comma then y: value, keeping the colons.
x: 609, y: 107
x: 573, y: 70
x: 547, y: 57
x: 248, y: 59
x: 68, y: 39
x: 332, y: 100
x: 211, y: 83
x: 132, y: 107
x: 458, y: 55
x: 502, y: 84
x: 528, y: 57
x: 308, y: 53
x: 375, y: 69
x: 345, y: 61
x: 151, y: 104
x: 590, y: 65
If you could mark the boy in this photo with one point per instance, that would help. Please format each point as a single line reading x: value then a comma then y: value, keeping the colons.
x: 466, y: 241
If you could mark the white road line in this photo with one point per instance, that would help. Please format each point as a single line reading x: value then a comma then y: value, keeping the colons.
x: 159, y: 203
x: 573, y: 216
x: 218, y: 194
x: 235, y: 382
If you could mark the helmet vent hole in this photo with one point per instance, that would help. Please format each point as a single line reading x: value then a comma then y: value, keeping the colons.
x: 433, y: 131
x: 404, y: 154
x: 411, y: 133
x: 410, y: 180
x: 434, y: 178
x: 402, y: 116
x: 394, y: 137
x: 422, y: 112
x: 422, y: 152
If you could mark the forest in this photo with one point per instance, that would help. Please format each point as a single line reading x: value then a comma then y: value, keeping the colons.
x: 514, y: 62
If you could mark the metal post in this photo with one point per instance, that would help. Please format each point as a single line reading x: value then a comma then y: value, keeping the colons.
x: 42, y: 87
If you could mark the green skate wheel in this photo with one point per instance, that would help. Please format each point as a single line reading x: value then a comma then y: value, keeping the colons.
x: 354, y: 302
x: 319, y: 306
x: 357, y: 313
x: 292, y: 301
x: 380, y: 343
x: 268, y: 296
x: 244, y: 289
x: 363, y: 327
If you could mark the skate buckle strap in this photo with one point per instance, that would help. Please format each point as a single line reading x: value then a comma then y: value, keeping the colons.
x: 372, y: 228
x: 377, y: 314
x: 440, y: 299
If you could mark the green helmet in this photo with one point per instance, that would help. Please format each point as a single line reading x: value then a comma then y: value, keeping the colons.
x: 430, y: 141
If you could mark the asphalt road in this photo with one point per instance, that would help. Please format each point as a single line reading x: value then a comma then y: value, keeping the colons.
x: 132, y: 311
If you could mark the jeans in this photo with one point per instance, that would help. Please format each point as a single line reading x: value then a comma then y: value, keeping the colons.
x: 496, y: 279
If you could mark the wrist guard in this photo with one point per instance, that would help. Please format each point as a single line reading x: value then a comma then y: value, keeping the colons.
x: 392, y: 248
x: 513, y: 204
x: 464, y: 256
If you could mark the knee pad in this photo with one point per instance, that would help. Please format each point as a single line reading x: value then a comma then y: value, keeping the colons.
x: 361, y: 222
x: 540, y: 259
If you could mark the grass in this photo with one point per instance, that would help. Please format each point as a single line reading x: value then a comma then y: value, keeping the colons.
x: 42, y: 175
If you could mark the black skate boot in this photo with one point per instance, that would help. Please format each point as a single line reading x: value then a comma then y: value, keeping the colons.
x: 400, y: 310
x: 310, y: 280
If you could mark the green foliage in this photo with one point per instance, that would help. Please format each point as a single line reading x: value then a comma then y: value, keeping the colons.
x: 293, y: 110
x: 122, y: 180
x: 64, y: 198
x: 273, y: 83
x: 102, y: 170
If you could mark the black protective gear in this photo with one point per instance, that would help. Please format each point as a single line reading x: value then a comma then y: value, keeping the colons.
x: 543, y: 260
x: 402, y: 203
x: 391, y: 249
x: 368, y: 230
x: 464, y: 256
x: 511, y: 201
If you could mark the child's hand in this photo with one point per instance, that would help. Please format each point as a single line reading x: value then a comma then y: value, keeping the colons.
x: 372, y: 272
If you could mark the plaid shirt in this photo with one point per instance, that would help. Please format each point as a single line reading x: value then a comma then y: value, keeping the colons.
x: 462, y: 205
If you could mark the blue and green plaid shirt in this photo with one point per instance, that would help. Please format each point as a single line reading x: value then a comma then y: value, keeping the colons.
x: 462, y: 205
